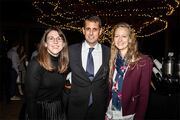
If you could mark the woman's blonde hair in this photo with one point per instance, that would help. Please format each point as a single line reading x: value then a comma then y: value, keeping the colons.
x: 44, y: 57
x: 132, y: 54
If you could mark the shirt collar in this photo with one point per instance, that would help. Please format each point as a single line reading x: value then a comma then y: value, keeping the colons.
x: 96, y: 47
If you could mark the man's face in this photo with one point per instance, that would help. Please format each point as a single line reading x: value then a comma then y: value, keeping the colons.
x: 92, y: 31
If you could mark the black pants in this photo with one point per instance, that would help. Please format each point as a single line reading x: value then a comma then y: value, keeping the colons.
x: 12, y: 83
x: 91, y: 114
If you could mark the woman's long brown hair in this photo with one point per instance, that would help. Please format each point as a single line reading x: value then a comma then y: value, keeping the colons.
x: 44, y: 57
x: 132, y: 55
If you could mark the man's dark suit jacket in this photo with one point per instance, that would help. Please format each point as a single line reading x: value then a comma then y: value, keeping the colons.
x: 82, y: 86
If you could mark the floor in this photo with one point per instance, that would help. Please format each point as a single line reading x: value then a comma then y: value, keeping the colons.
x: 11, y: 110
x: 161, y: 107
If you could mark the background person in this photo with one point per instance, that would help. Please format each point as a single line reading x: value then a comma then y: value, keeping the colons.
x: 14, y: 72
x: 22, y: 68
x: 35, y: 52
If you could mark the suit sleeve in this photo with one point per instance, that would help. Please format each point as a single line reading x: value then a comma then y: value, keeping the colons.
x: 32, y: 83
x: 145, y: 80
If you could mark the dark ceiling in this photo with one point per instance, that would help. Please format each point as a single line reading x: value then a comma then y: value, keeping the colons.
x: 15, y: 10
x: 18, y: 14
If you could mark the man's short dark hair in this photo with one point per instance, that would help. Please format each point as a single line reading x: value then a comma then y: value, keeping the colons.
x: 93, y: 19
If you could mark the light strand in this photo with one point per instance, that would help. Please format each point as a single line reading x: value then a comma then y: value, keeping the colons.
x: 69, y: 14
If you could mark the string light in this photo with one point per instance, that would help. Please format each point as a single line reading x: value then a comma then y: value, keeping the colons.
x: 146, y: 17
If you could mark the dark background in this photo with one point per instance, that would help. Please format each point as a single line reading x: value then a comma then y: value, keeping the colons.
x: 17, y: 23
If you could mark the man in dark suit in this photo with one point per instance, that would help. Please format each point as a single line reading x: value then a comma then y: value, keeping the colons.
x: 89, y: 91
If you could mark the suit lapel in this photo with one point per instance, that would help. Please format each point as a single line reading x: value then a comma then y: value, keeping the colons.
x: 79, y: 62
